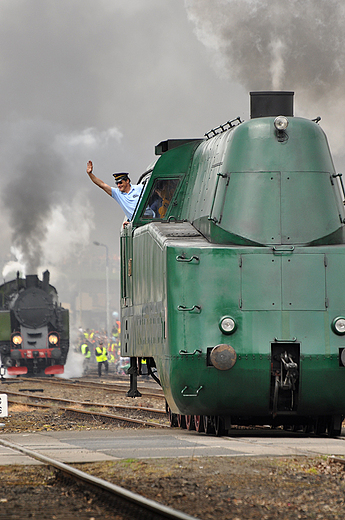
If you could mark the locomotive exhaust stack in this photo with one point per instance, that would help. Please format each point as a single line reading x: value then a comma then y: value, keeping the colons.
x: 271, y: 104
x: 31, y: 280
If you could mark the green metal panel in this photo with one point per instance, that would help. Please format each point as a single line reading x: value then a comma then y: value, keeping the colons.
x: 303, y: 282
x: 249, y: 206
x: 309, y: 207
x: 288, y: 281
x: 203, y: 176
x: 268, y: 207
x: 255, y: 143
x: 212, y: 284
x: 5, y: 325
x: 200, y: 390
x: 143, y: 315
x: 148, y: 272
x: 261, y: 292
x: 335, y: 280
x: 322, y: 386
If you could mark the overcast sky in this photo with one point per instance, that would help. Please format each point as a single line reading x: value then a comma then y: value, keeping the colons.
x: 107, y: 80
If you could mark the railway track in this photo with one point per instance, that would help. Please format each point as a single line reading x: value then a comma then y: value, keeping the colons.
x: 121, y: 387
x: 123, y: 502
x: 93, y: 409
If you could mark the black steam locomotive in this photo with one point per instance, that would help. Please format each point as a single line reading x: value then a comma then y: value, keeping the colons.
x: 34, y: 328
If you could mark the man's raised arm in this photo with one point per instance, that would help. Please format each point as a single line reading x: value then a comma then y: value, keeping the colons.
x: 96, y: 180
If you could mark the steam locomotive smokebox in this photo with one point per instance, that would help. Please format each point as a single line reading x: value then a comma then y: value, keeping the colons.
x: 33, y: 308
x: 271, y: 104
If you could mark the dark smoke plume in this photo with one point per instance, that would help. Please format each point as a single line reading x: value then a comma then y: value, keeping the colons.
x: 29, y: 198
x: 41, y: 198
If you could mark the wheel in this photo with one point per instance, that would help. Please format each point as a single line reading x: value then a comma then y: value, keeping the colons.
x: 321, y: 426
x: 308, y: 428
x: 208, y: 424
x: 334, y: 426
x: 190, y: 422
x: 199, y: 423
x: 219, y: 426
x: 172, y: 419
x: 181, y: 421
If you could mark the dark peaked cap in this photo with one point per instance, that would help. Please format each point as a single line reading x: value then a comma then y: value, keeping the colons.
x: 120, y: 176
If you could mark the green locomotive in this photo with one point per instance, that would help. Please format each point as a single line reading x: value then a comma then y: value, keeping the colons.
x: 232, y: 283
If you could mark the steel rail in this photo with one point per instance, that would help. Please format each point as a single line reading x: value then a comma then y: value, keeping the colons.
x: 144, y: 504
x: 115, y: 387
x: 87, y: 403
x: 95, y: 414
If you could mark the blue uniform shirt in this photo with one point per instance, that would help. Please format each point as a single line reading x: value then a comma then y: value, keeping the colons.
x: 128, y: 201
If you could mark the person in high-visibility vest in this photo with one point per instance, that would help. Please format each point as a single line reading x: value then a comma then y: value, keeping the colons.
x: 144, y: 370
x: 101, y: 357
x: 111, y: 352
x: 85, y: 350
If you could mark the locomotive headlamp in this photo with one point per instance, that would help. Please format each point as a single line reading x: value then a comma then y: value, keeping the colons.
x: 338, y: 326
x: 53, y: 339
x: 281, y: 123
x: 227, y: 325
x: 17, y: 339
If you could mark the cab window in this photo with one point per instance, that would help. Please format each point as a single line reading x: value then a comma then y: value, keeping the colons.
x: 160, y: 198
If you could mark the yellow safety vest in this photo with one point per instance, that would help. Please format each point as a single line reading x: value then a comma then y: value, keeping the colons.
x: 85, y: 350
x: 101, y: 354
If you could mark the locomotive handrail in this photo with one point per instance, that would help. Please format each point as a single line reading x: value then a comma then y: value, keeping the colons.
x: 185, y: 353
x: 181, y: 258
x: 191, y: 395
x: 285, y: 340
x: 196, y: 308
x: 283, y: 249
x: 340, y: 175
